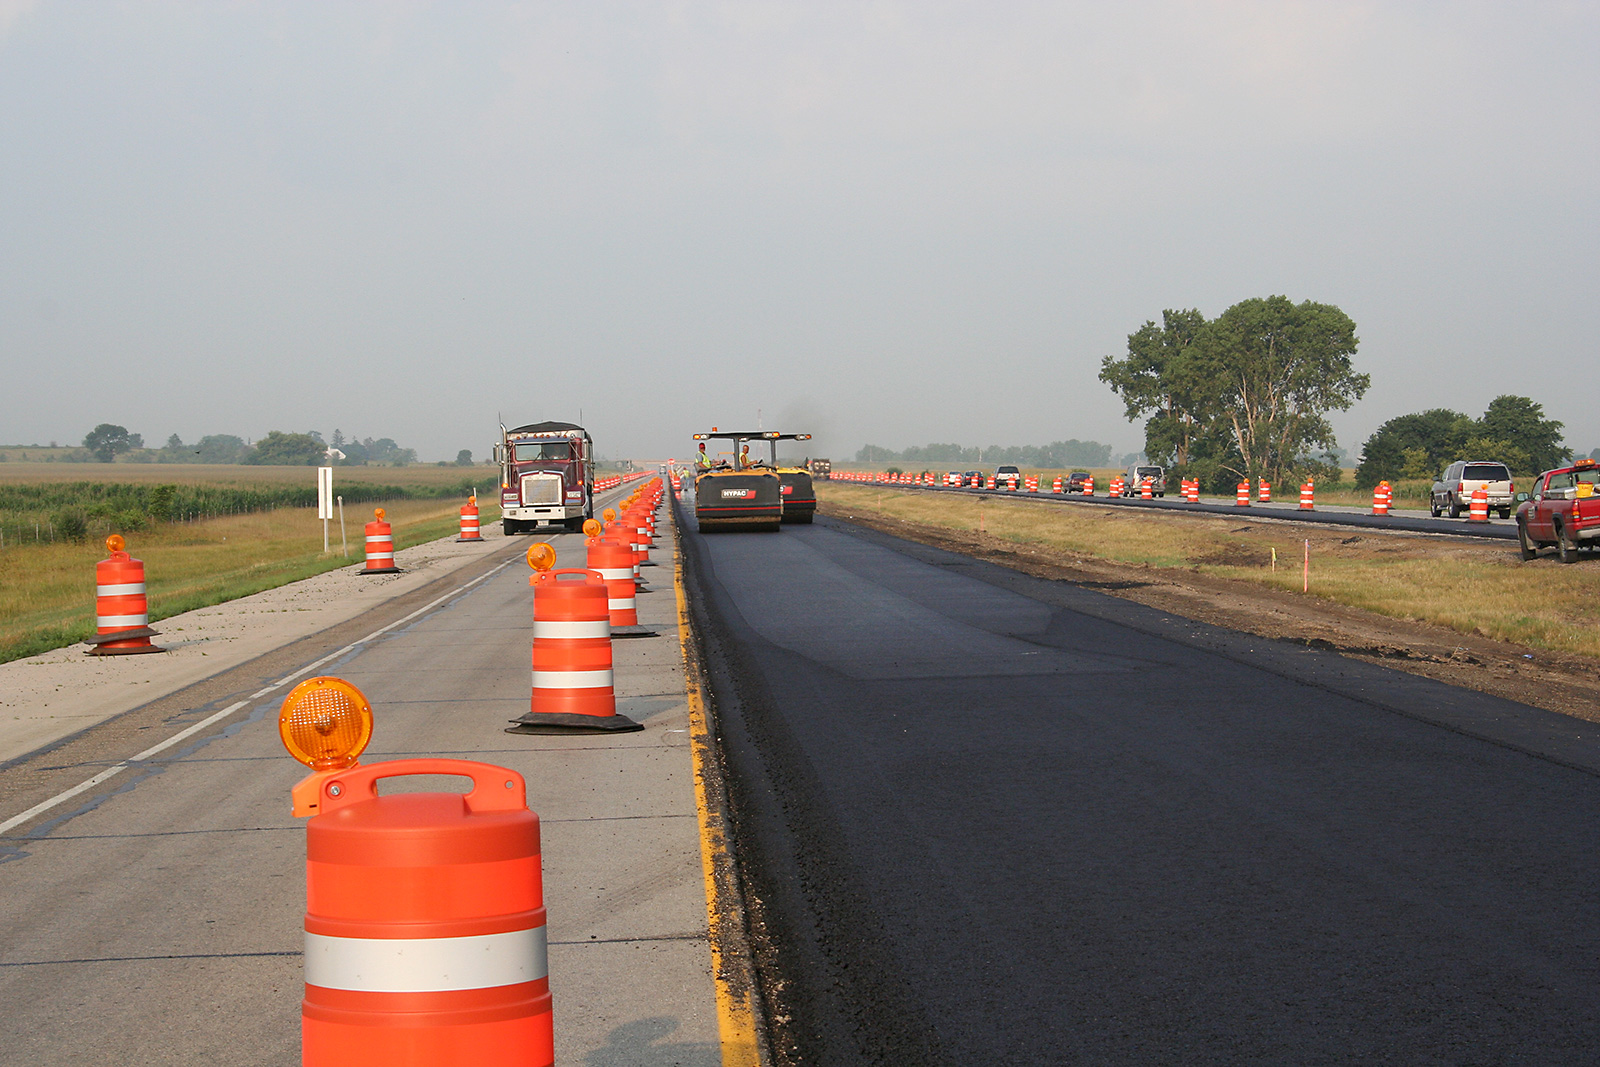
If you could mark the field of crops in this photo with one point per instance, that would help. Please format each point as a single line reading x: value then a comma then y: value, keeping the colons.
x: 40, y: 505
x: 218, y: 534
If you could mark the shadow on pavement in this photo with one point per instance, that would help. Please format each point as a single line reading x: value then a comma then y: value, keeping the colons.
x: 635, y: 1045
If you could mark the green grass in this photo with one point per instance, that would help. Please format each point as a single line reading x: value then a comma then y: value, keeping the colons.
x: 1469, y: 587
x: 47, y: 590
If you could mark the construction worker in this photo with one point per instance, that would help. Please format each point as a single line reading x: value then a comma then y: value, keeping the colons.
x: 744, y: 458
x: 702, y: 462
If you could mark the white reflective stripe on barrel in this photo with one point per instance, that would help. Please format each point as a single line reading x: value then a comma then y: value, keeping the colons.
x: 377, y: 538
x: 122, y: 620
x: 127, y: 589
x: 426, y: 964
x: 616, y: 574
x: 621, y: 605
x: 380, y: 555
x: 572, y: 679
x: 571, y: 629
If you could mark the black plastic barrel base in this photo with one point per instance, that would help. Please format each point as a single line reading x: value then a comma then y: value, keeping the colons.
x: 97, y: 642
x: 555, y: 723
x: 472, y: 540
x: 380, y: 570
x: 633, y: 631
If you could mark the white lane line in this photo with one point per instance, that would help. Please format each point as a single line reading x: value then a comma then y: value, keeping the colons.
x: 190, y: 731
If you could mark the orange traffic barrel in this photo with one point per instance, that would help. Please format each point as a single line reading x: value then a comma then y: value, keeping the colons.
x: 1147, y: 490
x: 1241, y: 495
x: 1088, y: 486
x: 121, y: 609
x: 573, y: 687
x: 1194, y: 490
x: 1115, y: 488
x: 380, y: 546
x: 469, y: 521
x: 617, y: 534
x: 1307, y: 497
x: 425, y: 923
x: 614, y: 564
x: 1380, y: 499
x: 1264, y: 492
x: 1479, y: 512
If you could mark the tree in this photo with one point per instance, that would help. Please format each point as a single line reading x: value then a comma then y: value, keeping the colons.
x: 221, y: 448
x: 1512, y: 431
x: 107, y: 440
x: 1413, y: 446
x: 1519, y: 424
x: 1158, y: 377
x: 464, y: 458
x: 287, y: 450
x: 1274, y: 369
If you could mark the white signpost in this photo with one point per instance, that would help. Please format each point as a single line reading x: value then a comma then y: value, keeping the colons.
x: 324, y: 502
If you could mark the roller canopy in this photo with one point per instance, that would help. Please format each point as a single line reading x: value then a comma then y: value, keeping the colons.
x: 753, y: 435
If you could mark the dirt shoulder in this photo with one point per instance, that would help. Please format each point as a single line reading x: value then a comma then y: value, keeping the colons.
x: 1555, y: 681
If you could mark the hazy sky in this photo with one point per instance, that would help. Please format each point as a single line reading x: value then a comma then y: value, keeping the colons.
x: 886, y: 222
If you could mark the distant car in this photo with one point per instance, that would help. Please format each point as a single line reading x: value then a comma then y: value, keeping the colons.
x: 953, y: 478
x: 1453, y: 491
x: 1136, y: 476
x: 1077, y: 480
x: 973, y: 478
x: 1007, y: 477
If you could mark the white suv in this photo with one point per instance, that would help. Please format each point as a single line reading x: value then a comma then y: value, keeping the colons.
x: 1453, y: 491
x: 1135, y: 478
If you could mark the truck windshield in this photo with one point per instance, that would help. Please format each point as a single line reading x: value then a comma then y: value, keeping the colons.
x: 534, y: 450
x: 1485, y: 472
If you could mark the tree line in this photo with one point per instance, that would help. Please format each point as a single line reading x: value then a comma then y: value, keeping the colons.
x: 107, y: 441
x: 1245, y: 395
x: 1056, y: 455
x: 1513, y: 431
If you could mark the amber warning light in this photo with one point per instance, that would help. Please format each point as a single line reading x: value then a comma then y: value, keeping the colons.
x: 325, y: 723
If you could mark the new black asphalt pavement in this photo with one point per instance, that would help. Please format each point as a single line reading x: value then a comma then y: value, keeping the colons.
x: 987, y: 818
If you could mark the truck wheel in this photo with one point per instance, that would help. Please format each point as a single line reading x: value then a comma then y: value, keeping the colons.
x: 1505, y: 513
x: 1566, y: 547
x: 1529, y: 549
x: 1433, y: 507
x: 1455, y: 508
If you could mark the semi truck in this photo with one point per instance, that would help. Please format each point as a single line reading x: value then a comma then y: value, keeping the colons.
x: 546, y: 476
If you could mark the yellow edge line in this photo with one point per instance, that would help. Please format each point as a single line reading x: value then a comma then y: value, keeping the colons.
x: 735, y: 1013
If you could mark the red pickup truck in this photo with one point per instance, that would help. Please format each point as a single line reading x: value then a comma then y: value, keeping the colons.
x: 1564, y: 511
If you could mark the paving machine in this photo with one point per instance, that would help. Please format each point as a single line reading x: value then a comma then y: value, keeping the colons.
x: 759, y: 495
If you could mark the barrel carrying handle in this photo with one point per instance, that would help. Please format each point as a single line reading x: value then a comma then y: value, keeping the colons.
x: 553, y: 575
x: 493, y: 788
